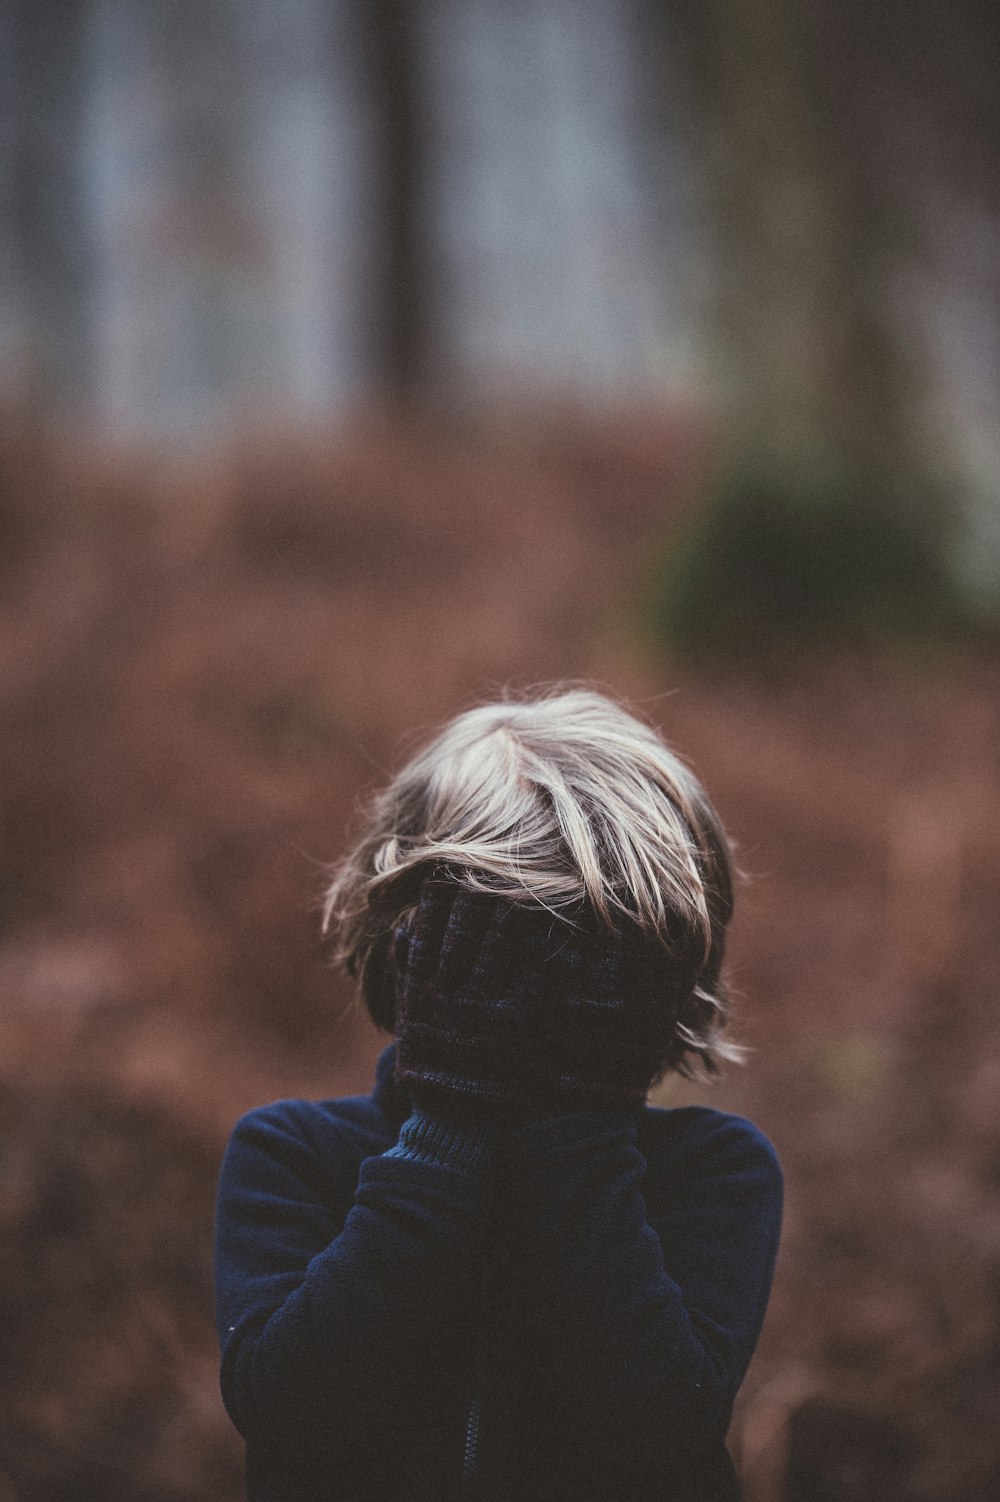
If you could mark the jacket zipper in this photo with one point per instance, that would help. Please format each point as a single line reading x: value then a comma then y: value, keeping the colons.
x: 474, y: 1419
x: 470, y: 1457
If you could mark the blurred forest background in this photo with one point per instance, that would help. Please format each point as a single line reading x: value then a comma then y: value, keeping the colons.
x: 357, y: 359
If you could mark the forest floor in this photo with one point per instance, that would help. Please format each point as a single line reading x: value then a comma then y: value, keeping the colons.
x: 203, y: 665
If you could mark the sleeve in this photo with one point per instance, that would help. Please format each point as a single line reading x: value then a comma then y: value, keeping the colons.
x: 327, y: 1291
x: 649, y: 1325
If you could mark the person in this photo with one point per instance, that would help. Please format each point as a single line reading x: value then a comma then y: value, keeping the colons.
x: 503, y: 1274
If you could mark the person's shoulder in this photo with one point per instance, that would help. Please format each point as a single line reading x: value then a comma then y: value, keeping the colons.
x: 304, y: 1115
x: 712, y: 1142
x: 348, y: 1126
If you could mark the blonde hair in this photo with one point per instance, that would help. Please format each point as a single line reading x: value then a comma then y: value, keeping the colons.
x: 558, y: 799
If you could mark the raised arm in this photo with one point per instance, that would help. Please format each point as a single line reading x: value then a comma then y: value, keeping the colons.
x: 334, y: 1280
x: 647, y: 1282
x: 634, y: 1274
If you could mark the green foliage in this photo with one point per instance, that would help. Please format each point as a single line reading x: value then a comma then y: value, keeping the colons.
x: 834, y: 556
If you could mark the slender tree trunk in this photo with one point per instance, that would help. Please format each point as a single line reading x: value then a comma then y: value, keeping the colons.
x: 401, y: 272
x: 200, y: 53
x: 803, y: 245
x: 51, y: 245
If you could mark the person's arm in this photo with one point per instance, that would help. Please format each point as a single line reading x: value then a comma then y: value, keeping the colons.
x: 328, y: 1300
x: 647, y: 1320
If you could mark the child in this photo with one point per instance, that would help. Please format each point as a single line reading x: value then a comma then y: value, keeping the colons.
x: 502, y: 1275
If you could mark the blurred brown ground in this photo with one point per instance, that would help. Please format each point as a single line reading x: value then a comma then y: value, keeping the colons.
x: 203, y: 666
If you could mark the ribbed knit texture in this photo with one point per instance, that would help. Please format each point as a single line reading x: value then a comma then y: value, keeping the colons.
x: 499, y: 1004
x: 436, y: 1139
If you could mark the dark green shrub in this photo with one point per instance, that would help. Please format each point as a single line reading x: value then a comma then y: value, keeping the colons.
x: 841, y: 556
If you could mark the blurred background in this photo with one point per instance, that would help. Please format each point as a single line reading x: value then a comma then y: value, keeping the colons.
x: 358, y: 359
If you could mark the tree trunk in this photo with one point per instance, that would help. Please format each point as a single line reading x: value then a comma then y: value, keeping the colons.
x: 401, y: 280
x: 51, y: 248
x: 803, y: 239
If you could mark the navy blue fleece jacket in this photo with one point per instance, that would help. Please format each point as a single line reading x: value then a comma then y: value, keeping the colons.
x: 409, y: 1311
